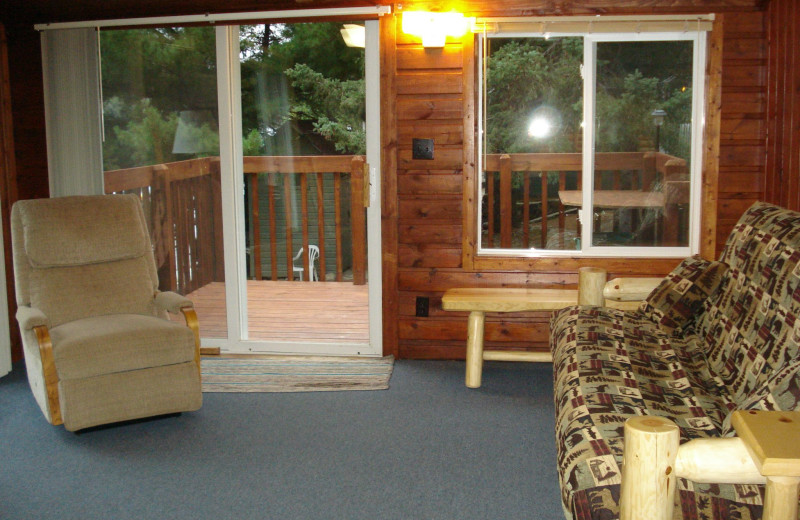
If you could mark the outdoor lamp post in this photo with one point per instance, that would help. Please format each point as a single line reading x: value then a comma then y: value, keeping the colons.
x: 658, y: 116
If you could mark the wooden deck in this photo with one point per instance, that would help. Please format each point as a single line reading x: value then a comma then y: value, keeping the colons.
x: 321, y: 312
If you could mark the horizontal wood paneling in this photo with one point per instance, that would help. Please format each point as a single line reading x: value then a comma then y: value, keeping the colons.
x: 743, y: 119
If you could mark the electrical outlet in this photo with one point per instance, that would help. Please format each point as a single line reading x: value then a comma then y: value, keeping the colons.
x: 423, y: 304
x: 422, y: 149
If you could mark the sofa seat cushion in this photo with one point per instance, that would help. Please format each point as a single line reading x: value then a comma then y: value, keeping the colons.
x: 118, y: 343
x: 610, y: 365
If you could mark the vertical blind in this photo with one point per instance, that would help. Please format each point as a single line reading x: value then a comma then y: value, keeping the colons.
x: 70, y: 63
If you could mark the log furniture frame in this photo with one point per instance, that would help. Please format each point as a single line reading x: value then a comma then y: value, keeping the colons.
x: 654, y: 458
x: 620, y: 293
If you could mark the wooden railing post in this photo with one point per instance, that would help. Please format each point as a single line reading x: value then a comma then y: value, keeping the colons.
x: 676, y: 192
x: 304, y: 226
x: 526, y: 209
x: 505, y: 201
x: 216, y: 203
x: 648, y: 176
x: 321, y: 225
x: 255, y: 224
x: 166, y: 228
x: 273, y: 229
x: 562, y: 185
x: 287, y: 206
x: 545, y: 209
x: 358, y: 221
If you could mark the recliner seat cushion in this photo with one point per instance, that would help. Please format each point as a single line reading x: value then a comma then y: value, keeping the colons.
x: 118, y: 343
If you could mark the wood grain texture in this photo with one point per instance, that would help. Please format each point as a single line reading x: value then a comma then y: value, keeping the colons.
x: 711, y: 140
x: 782, y: 172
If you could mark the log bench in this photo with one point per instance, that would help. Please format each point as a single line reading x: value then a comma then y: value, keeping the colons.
x: 688, y: 407
x: 618, y: 293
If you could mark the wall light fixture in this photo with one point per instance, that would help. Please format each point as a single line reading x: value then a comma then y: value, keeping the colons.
x: 434, y: 28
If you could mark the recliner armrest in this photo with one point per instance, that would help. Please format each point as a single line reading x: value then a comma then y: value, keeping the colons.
x: 31, y: 317
x: 172, y: 301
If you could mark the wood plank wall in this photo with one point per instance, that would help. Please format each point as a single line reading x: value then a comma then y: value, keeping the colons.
x: 431, y: 99
x: 783, y: 104
x: 743, y: 119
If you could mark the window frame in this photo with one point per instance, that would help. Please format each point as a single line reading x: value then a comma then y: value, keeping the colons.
x: 476, y: 257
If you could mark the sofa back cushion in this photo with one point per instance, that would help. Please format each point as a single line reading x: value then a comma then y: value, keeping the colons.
x: 675, y: 303
x: 750, y: 324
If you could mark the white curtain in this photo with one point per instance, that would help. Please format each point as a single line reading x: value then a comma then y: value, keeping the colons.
x: 70, y: 60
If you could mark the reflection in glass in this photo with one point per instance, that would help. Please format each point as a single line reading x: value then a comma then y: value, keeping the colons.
x: 161, y: 141
x: 533, y: 135
x: 643, y: 104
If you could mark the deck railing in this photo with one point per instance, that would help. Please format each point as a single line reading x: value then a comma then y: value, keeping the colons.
x: 182, y: 202
x: 643, y: 171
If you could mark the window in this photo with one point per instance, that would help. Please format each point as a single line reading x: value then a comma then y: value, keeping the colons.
x: 540, y: 83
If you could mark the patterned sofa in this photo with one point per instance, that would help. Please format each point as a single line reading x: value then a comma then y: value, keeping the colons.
x: 711, y: 338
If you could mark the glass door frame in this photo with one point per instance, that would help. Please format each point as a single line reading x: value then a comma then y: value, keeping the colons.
x: 233, y: 210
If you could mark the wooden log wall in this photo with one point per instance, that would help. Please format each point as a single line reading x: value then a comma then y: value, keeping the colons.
x: 433, y: 99
x: 742, y: 137
x: 783, y: 104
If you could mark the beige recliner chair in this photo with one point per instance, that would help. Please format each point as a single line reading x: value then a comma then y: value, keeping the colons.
x: 98, y: 345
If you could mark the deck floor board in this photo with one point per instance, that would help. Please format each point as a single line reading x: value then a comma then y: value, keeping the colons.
x: 290, y: 311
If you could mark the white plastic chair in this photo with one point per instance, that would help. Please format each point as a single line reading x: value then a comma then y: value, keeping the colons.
x: 313, y: 255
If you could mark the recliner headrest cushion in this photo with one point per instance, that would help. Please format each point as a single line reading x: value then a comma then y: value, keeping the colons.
x: 81, y: 230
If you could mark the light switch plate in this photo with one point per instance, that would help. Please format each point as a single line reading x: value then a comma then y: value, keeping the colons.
x: 422, y: 149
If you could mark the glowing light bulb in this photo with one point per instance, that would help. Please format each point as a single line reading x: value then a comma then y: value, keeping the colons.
x: 540, y: 127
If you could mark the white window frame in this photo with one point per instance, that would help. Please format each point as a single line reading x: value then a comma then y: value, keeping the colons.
x: 698, y: 39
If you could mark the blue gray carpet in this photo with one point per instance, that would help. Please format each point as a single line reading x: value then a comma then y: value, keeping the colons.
x: 427, y: 448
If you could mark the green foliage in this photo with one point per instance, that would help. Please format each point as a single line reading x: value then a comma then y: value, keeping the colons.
x: 300, y: 83
x: 525, y: 76
x: 335, y: 107
x: 302, y: 91
x: 147, y: 136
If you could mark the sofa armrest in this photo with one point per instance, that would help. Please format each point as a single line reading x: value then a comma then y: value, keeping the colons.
x: 31, y: 317
x: 172, y: 301
x: 771, y: 437
x: 619, y: 293
x: 630, y: 289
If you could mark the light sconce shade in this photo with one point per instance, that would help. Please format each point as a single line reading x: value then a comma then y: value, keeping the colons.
x: 354, y: 35
x: 434, y: 28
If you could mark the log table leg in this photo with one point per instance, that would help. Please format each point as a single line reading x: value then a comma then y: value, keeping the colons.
x: 780, y: 502
x: 474, y: 349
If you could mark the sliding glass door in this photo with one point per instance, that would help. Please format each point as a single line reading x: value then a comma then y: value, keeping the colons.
x: 249, y: 147
x: 304, y: 132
